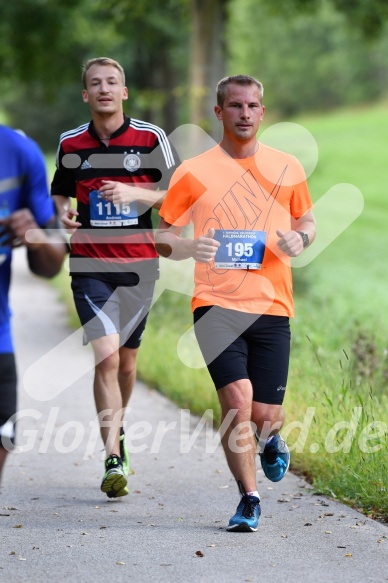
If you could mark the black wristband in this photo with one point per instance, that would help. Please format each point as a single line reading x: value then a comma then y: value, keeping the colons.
x: 305, y: 238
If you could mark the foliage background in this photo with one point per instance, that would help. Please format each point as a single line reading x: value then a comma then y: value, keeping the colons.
x: 311, y: 56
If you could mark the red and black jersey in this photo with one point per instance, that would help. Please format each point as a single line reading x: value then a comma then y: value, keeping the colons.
x: 113, y: 243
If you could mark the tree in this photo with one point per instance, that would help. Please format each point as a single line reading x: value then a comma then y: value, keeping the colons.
x: 308, y: 60
x: 43, y: 45
x: 41, y: 40
x: 207, y: 59
x: 368, y: 16
x: 164, y: 55
x: 156, y: 53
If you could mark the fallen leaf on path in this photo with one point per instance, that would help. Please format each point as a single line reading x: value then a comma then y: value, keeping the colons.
x: 199, y: 554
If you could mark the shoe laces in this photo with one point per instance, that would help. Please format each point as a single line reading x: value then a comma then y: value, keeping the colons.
x: 270, y: 454
x: 112, y: 461
x: 271, y: 451
x: 249, y: 504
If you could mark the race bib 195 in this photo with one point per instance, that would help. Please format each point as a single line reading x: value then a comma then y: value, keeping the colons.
x: 240, y: 249
x: 104, y: 213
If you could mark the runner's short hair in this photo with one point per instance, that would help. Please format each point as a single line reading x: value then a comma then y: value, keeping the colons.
x: 238, y: 80
x: 101, y: 61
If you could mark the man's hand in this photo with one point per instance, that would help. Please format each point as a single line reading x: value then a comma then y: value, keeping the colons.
x: 67, y: 220
x: 205, y: 247
x: 290, y: 243
x: 118, y: 193
x: 121, y: 193
x: 16, y: 225
x: 170, y: 244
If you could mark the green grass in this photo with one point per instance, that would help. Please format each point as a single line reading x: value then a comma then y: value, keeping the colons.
x: 340, y: 344
x: 339, y: 362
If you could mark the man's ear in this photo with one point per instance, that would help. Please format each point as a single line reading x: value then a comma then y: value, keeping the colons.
x: 85, y: 96
x: 125, y: 93
x: 218, y: 112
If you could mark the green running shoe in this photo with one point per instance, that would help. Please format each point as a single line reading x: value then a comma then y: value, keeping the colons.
x: 124, y: 453
x: 114, y: 482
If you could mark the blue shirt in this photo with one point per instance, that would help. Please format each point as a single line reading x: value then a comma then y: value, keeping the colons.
x: 23, y: 184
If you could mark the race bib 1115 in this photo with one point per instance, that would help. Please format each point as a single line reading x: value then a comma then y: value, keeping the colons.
x: 106, y: 214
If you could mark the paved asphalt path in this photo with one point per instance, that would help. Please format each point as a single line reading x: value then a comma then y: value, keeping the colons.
x: 56, y: 525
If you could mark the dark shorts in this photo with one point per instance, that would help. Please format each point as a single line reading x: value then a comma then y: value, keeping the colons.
x: 237, y: 345
x: 8, y: 398
x: 105, y: 308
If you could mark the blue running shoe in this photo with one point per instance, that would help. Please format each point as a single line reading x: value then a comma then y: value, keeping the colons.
x: 247, y: 515
x: 275, y: 459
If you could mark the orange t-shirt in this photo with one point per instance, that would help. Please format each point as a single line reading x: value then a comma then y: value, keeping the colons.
x: 259, y: 193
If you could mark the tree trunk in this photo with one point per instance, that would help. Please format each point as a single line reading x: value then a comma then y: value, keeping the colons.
x: 207, y: 61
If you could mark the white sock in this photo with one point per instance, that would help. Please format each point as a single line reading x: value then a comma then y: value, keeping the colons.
x: 254, y: 493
